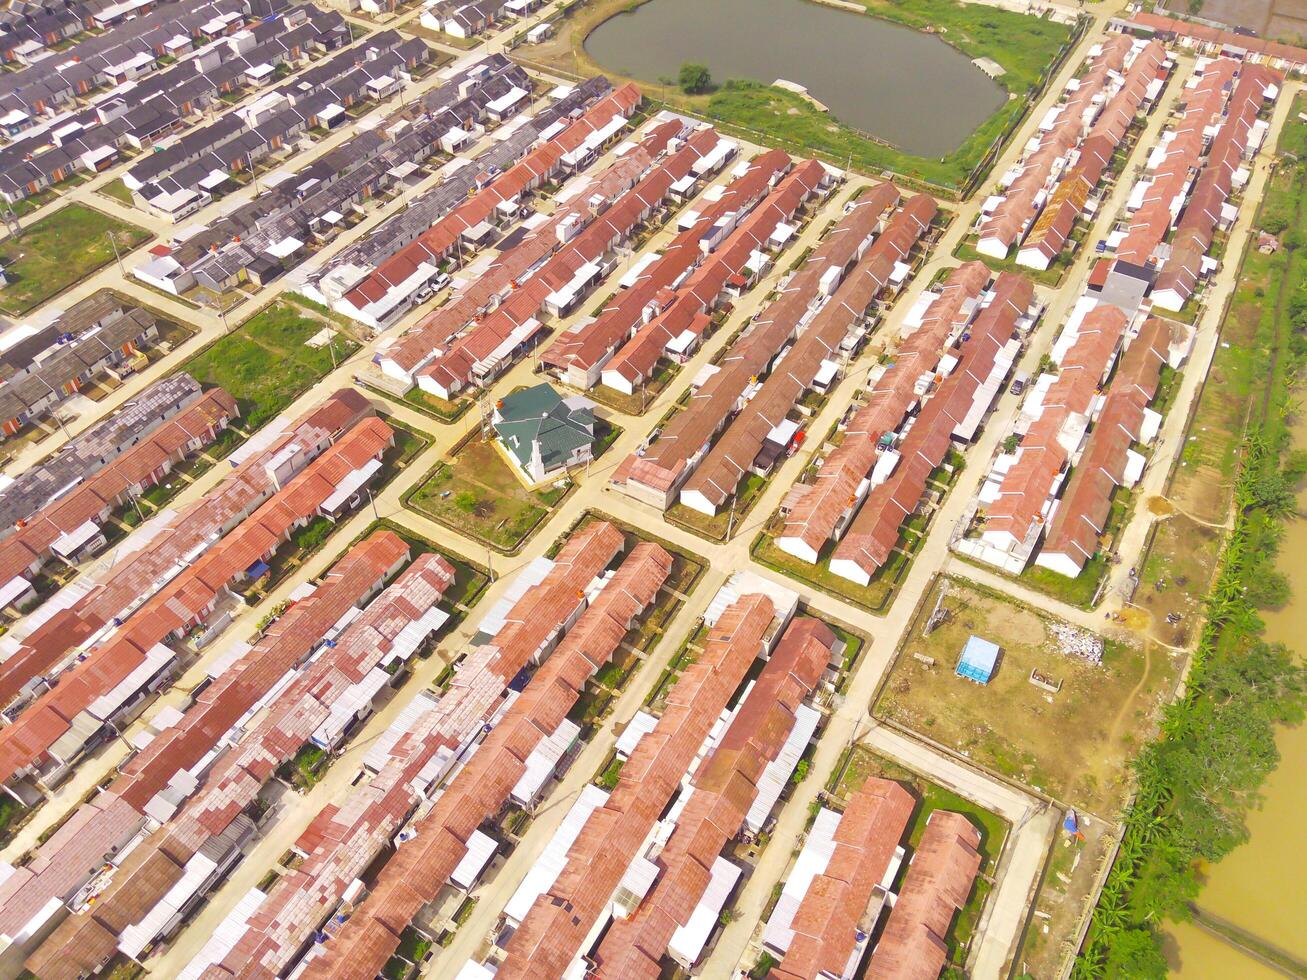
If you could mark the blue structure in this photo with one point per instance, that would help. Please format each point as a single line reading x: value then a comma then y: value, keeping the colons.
x: 978, y: 660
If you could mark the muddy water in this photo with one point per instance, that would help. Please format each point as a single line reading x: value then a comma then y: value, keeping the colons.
x: 1262, y: 886
x: 901, y: 85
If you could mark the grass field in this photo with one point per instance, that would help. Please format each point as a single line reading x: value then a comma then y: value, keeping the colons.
x: 117, y: 190
x: 861, y: 762
x: 1024, y: 45
x: 479, y: 495
x: 1075, y: 744
x: 265, y: 363
x: 58, y: 250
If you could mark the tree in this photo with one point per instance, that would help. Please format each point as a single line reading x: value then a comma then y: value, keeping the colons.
x: 1135, y: 953
x: 694, y: 79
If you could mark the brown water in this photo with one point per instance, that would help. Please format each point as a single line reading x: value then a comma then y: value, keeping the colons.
x: 1262, y: 886
x: 905, y: 87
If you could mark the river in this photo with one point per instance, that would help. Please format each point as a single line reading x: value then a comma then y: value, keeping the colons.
x: 905, y: 87
x: 1262, y: 886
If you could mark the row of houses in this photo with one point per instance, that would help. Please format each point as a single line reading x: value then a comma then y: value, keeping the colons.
x: 1073, y: 190
x: 163, y: 547
x: 664, y: 470
x: 260, y: 239
x: 634, y: 328
x: 950, y: 408
x: 1215, y: 42
x: 167, y: 875
x: 841, y: 882
x: 580, y: 243
x: 183, y: 747
x: 829, y: 333
x: 112, y: 678
x: 40, y: 367
x: 139, y: 112
x: 1048, y: 498
x: 673, y: 896
x: 73, y: 526
x: 377, y: 280
x: 181, y: 178
x: 84, y: 455
x: 492, y: 770
x: 1024, y: 489
x: 819, y: 511
x: 468, y: 18
x: 604, y: 872
x: 1065, y: 160
x: 55, y: 80
x: 1182, y: 198
x: 494, y: 198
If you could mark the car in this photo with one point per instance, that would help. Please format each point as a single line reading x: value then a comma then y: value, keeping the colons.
x: 1019, y: 384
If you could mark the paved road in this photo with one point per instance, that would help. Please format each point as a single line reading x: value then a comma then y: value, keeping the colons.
x: 1021, y: 863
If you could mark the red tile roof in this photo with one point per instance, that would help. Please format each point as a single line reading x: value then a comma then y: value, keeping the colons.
x: 724, y: 788
x: 828, y: 919
x: 720, y: 471
x: 943, y: 869
x: 420, y: 869
x: 814, y: 518
x: 550, y: 936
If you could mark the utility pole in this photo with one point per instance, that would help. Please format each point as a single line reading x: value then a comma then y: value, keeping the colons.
x: 114, y: 245
x: 730, y: 525
x: 373, y: 500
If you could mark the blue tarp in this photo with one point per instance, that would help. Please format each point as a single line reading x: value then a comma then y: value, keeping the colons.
x: 258, y: 569
x: 979, y: 657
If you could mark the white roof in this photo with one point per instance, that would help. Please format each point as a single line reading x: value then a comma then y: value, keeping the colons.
x: 812, y: 860
x: 70, y: 541
x: 772, y: 782
x: 549, y: 865
x: 542, y: 762
x: 352, y: 483
x: 12, y: 589
x: 687, y: 942
x: 287, y: 246
x: 480, y: 849
x: 226, y: 936
x: 638, y: 727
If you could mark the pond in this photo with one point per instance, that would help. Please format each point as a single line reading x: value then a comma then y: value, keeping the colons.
x: 900, y: 85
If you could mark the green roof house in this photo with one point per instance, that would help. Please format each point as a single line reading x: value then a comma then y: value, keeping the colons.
x: 543, y: 432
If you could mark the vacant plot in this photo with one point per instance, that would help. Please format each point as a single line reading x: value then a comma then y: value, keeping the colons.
x: 860, y: 762
x: 1074, y: 744
x: 266, y: 362
x: 478, y: 494
x: 58, y: 250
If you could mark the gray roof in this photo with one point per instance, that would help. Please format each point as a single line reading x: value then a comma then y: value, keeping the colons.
x: 539, y: 416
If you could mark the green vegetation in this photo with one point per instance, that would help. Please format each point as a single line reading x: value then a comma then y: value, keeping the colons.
x: 1197, y: 783
x: 265, y: 363
x: 58, y: 250
x: 612, y: 773
x: 479, y: 494
x: 1024, y: 45
x: 694, y: 79
x: 117, y: 190
x: 1027, y: 48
